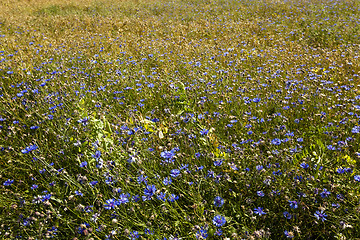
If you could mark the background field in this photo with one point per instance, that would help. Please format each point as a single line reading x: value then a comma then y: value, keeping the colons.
x: 179, y: 119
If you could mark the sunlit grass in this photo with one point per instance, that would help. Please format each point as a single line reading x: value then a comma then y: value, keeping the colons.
x: 179, y: 119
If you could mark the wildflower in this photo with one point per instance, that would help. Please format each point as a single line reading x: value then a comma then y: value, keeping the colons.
x: 287, y: 215
x: 83, y: 164
x: 218, y: 163
x: 304, y: 165
x: 8, y: 182
x: 175, y: 173
x: 218, y: 201
x: 204, y: 132
x: 219, y: 221
x: 173, y: 197
x: 218, y: 232
x: 168, y: 155
x: 97, y: 154
x: 161, y: 196
x: 149, y: 191
x: 357, y: 178
x: 29, y: 149
x: 167, y: 181
x: 320, y: 215
x: 134, y: 235
x: 293, y: 204
x: 325, y: 193
x: 355, y: 129
x: 202, y: 233
x: 124, y: 198
x: 276, y: 141
x: 260, y: 193
x: 259, y: 211
x: 110, y: 204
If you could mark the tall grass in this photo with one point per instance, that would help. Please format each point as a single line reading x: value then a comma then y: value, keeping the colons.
x: 179, y: 119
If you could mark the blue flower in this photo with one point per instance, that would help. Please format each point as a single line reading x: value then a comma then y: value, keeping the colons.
x: 260, y: 193
x: 304, y: 165
x: 325, y: 193
x: 218, y: 201
x: 134, y: 235
x: 357, y: 178
x: 8, y: 182
x: 29, y: 149
x: 168, y: 154
x: 124, y: 198
x: 219, y: 221
x: 287, y: 215
x: 259, y: 211
x: 276, y: 141
x: 167, y: 181
x: 97, y: 154
x: 202, y: 233
x: 204, y: 132
x: 320, y: 215
x: 293, y: 204
x: 161, y: 196
x: 175, y: 173
x: 355, y: 129
x: 149, y: 191
x: 173, y: 197
x: 110, y: 204
x: 83, y: 164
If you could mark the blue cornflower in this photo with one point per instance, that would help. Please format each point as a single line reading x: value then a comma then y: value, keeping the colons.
x: 167, y: 181
x: 202, y: 233
x: 287, y: 215
x: 110, y: 204
x: 161, y: 196
x: 175, y: 173
x: 218, y: 201
x: 168, y: 154
x: 8, y: 182
x: 355, y: 129
x: 79, y: 193
x: 84, y: 121
x: 260, y: 193
x: 173, y: 197
x: 325, y: 193
x: 304, y: 165
x: 134, y: 235
x: 218, y: 163
x: 276, y: 141
x: 357, y: 178
x: 29, y: 149
x: 83, y: 227
x: 293, y: 204
x: 123, y: 198
x: 149, y: 191
x: 218, y: 232
x: 204, y: 132
x: 83, y: 164
x: 97, y: 154
x: 259, y: 211
x: 141, y: 179
x: 46, y: 197
x: 259, y: 167
x: 320, y: 215
x: 219, y: 221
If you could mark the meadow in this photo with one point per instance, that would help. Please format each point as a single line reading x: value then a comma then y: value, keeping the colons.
x: 181, y: 119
